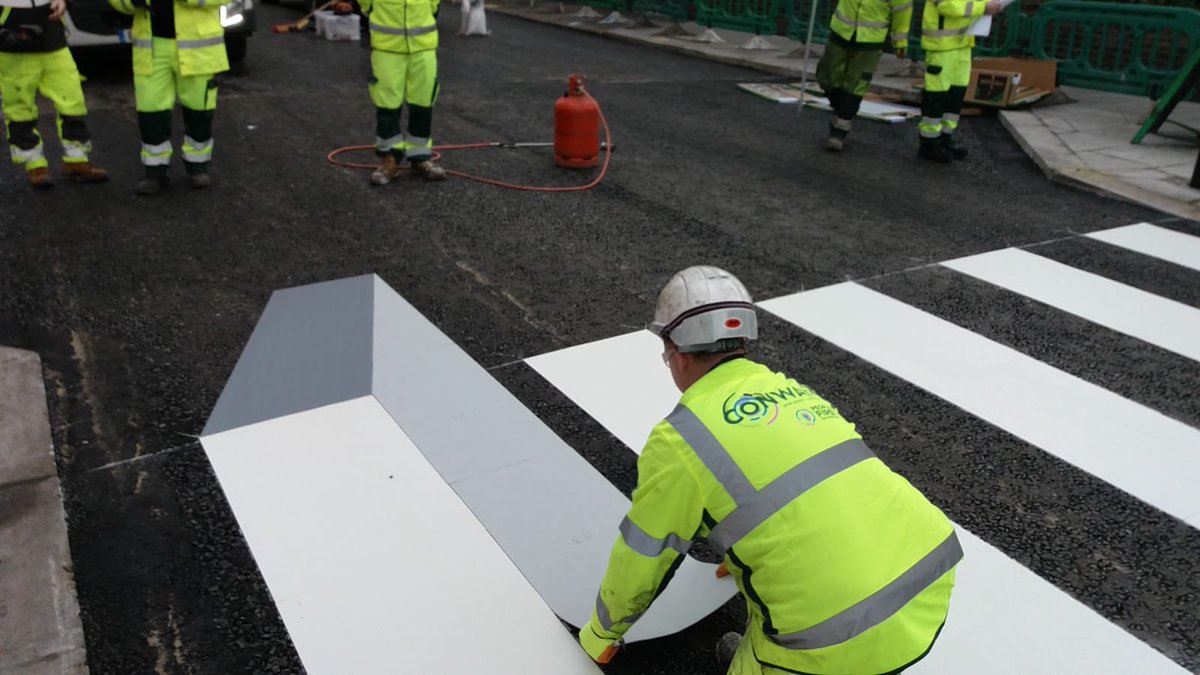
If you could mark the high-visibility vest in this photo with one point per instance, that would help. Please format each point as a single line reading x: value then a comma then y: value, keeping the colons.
x: 946, y: 24
x: 849, y: 566
x: 199, y: 37
x: 871, y: 22
x: 403, y: 26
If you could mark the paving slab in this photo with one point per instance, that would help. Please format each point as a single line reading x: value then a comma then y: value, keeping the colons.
x: 40, y: 630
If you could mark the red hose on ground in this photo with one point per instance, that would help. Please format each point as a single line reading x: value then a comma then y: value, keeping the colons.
x: 332, y: 159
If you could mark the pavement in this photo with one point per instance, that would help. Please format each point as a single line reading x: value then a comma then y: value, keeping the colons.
x: 40, y: 629
x: 139, y: 310
x: 1084, y: 142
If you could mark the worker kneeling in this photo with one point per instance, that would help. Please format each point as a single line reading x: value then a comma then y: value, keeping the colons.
x: 404, y: 40
x: 845, y: 567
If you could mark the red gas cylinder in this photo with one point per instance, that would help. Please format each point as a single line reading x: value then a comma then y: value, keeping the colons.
x: 576, y: 127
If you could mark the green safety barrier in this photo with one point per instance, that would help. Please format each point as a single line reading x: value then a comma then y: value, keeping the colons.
x: 751, y: 16
x: 614, y: 5
x: 1128, y: 49
x: 798, y: 13
x: 675, y: 10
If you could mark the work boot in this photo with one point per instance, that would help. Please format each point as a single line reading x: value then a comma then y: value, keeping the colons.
x: 199, y: 180
x: 85, y: 171
x: 834, y: 144
x: 727, y: 646
x: 932, y: 149
x: 952, y: 147
x: 428, y: 170
x: 151, y: 185
x: 387, y: 170
x: 39, y: 178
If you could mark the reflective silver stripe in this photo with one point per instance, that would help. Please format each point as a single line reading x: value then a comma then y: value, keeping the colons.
x: 881, y: 605
x: 950, y: 32
x: 417, y: 141
x: 950, y: 117
x: 144, y: 44
x: 906, y: 6
x: 75, y: 149
x: 637, y: 539
x: 388, y: 30
x: 390, y: 142
x: 200, y: 44
x: 711, y: 453
x: 21, y: 156
x: 200, y: 3
x: 970, y: 11
x: 842, y: 17
x: 157, y: 148
x: 858, y: 23
x: 606, y: 621
x: 156, y: 155
x: 874, y: 24
x: 783, y: 490
x: 839, y: 123
x: 197, y: 152
x: 899, y: 37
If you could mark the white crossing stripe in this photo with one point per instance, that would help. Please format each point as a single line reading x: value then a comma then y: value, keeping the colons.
x: 1133, y: 447
x: 372, y: 559
x: 1003, y: 618
x: 1177, y: 247
x: 1160, y: 321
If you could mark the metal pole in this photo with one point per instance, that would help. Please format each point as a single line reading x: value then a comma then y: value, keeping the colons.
x: 812, y: 21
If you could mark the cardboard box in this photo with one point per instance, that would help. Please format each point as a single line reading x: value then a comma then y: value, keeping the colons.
x: 1010, y: 82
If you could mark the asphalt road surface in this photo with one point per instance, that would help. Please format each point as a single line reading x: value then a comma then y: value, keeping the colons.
x: 140, y: 307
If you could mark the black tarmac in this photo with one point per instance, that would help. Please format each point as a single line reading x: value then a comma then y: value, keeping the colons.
x: 139, y: 309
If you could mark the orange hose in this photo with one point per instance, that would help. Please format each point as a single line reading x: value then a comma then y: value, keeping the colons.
x: 332, y: 159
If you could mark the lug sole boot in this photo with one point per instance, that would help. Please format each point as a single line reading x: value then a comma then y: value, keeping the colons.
x: 387, y: 171
x: 932, y: 150
x: 151, y: 185
x: 85, y: 172
x: 428, y: 170
x: 956, y: 151
x: 199, y: 180
x: 39, y: 179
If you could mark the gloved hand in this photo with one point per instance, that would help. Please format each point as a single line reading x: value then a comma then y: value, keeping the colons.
x: 901, y: 52
x: 599, y: 644
x: 994, y: 7
x: 57, y: 9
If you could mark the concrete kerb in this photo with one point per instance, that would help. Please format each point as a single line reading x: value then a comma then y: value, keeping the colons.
x: 40, y: 629
x: 1062, y: 165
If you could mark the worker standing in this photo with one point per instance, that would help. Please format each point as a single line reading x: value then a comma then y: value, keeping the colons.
x: 845, y: 567
x: 859, y: 31
x: 947, y: 40
x: 404, y: 40
x: 34, y: 57
x: 178, y: 49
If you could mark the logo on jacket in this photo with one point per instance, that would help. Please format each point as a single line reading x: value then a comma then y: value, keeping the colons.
x: 750, y: 410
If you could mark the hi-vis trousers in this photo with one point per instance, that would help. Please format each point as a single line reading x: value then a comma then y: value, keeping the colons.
x: 397, y: 79
x: 53, y: 74
x: 156, y: 94
x: 947, y: 74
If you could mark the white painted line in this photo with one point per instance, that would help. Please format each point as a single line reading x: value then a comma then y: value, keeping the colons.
x: 1152, y: 240
x: 375, y: 564
x: 591, y: 374
x: 1136, y: 449
x: 1160, y: 321
x: 1003, y: 618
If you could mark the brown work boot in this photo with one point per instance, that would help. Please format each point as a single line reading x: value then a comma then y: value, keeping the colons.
x: 387, y: 170
x: 39, y: 178
x: 85, y: 171
x: 428, y: 170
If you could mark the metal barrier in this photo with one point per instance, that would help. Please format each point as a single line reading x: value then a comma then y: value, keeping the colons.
x: 1129, y: 49
x: 614, y: 5
x: 798, y: 13
x: 751, y: 16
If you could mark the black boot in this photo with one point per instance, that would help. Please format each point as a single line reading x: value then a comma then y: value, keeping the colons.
x: 932, y: 149
x: 952, y: 147
x: 153, y: 183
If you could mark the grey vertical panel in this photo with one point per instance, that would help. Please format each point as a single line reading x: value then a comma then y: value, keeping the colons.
x: 555, y: 516
x: 311, y: 347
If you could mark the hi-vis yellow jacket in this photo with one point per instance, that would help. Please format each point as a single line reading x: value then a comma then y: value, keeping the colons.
x: 403, y: 26
x: 199, y: 37
x: 946, y: 24
x: 847, y: 567
x: 871, y: 22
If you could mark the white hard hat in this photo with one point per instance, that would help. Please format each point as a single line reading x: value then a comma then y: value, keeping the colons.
x: 704, y: 309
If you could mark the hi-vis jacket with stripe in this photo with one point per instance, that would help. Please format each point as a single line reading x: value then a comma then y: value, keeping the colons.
x: 199, y: 36
x: 847, y: 565
x: 946, y: 24
x: 871, y: 22
x: 403, y: 26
